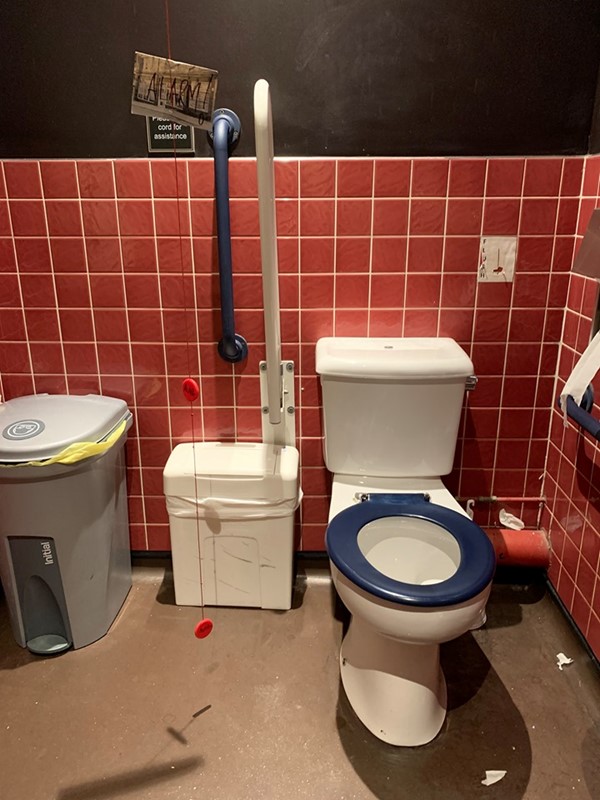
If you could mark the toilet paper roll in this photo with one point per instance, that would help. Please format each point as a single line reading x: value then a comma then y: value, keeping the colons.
x: 583, y: 372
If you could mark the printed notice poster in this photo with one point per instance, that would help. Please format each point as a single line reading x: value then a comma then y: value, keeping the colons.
x: 173, y: 90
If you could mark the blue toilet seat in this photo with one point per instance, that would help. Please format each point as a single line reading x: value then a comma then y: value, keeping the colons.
x: 477, y: 557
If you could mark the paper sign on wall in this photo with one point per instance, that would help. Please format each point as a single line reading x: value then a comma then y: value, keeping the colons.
x: 164, y: 136
x: 173, y: 90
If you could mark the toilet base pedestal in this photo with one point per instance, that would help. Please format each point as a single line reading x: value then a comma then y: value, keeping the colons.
x: 397, y: 690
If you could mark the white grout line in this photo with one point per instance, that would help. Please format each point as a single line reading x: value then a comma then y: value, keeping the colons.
x: 473, y: 322
x: 88, y: 277
x: 193, y: 310
x: 132, y: 371
x: 160, y: 303
x: 408, y: 236
x: 335, y: 222
x: 18, y: 274
x: 556, y: 380
x: 575, y: 471
x: 551, y: 272
x: 444, y: 235
x: 299, y: 373
x: 371, y: 240
x: 507, y: 342
x: 53, y: 276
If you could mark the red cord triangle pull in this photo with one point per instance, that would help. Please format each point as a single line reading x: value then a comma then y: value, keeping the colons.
x: 203, y: 628
x: 191, y: 390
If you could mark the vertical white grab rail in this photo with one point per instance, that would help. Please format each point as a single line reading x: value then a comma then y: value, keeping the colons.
x: 263, y: 129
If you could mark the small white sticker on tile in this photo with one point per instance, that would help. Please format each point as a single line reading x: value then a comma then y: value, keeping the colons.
x: 497, y: 259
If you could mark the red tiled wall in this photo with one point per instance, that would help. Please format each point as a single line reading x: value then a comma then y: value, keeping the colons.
x: 92, y: 299
x: 573, y: 470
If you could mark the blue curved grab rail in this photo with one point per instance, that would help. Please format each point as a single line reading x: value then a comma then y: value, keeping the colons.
x: 580, y: 414
x: 224, y: 136
x: 583, y: 418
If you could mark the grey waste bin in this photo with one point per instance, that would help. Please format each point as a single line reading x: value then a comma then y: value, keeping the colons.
x: 65, y: 560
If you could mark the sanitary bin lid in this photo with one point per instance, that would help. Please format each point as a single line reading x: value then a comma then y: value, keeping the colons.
x: 40, y: 426
x: 236, y: 470
x: 416, y: 358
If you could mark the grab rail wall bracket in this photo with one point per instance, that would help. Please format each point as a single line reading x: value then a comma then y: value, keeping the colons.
x: 223, y: 139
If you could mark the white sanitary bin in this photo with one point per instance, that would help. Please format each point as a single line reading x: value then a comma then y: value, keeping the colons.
x: 234, y: 529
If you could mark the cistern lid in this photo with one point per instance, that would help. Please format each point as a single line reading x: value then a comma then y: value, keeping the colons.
x: 418, y: 358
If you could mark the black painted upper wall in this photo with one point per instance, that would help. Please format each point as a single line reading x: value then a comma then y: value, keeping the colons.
x: 360, y: 77
x: 594, y: 145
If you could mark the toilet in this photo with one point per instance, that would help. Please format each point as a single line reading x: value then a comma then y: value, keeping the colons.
x: 409, y: 564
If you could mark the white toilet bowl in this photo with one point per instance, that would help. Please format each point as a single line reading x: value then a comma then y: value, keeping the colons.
x: 413, y: 574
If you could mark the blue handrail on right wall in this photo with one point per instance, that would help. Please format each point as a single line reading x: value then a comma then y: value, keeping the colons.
x: 223, y: 137
x: 580, y: 414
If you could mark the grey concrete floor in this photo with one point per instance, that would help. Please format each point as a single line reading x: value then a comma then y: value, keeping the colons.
x: 117, y: 719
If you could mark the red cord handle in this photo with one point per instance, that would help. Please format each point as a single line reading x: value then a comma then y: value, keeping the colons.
x: 191, y: 390
x: 203, y: 628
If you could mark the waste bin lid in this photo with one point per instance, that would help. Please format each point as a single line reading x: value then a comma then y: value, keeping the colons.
x: 39, y: 426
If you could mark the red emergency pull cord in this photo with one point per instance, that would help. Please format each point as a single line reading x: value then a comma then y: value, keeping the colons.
x: 190, y: 388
